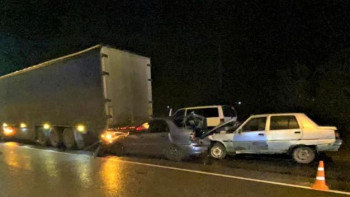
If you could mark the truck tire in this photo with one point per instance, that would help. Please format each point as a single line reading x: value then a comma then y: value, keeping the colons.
x: 218, y: 151
x: 174, y: 153
x: 55, y: 137
x: 303, y: 154
x: 79, y: 140
x: 43, y: 137
x: 68, y: 138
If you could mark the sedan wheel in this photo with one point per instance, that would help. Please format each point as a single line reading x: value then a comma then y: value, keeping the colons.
x: 303, y: 155
x: 218, y: 151
x: 174, y: 153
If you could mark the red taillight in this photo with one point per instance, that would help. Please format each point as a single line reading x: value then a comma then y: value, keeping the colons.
x: 140, y: 128
x: 144, y: 126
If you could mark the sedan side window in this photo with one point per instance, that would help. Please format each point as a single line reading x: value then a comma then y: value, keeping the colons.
x: 255, y: 124
x: 158, y: 126
x: 283, y: 122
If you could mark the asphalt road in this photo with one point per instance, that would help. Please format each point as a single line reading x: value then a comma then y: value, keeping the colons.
x: 30, y: 171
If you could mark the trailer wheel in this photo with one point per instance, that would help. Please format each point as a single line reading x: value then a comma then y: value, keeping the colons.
x: 55, y: 137
x: 79, y: 140
x: 42, y: 138
x: 68, y: 138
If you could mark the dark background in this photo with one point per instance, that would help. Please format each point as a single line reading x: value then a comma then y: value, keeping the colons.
x: 273, y: 56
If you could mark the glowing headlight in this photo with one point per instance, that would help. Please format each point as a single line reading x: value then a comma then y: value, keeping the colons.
x: 8, y: 131
x: 81, y: 128
x: 109, y: 136
x: 46, y: 126
x: 23, y: 125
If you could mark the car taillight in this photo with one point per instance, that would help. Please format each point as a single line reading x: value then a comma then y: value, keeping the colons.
x: 140, y: 128
x: 144, y: 126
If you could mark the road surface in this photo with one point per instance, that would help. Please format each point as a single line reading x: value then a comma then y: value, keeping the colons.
x: 30, y: 171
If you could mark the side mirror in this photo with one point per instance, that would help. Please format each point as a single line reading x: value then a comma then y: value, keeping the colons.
x: 239, y: 131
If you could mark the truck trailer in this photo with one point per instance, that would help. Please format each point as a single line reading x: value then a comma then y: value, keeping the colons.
x: 70, y: 100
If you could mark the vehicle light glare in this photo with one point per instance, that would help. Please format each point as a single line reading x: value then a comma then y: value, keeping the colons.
x: 4, y: 125
x: 8, y: 131
x: 46, y: 126
x: 81, y: 128
x: 146, y: 125
x: 23, y: 125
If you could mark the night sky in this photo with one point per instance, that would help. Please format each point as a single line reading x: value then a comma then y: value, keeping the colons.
x: 273, y: 56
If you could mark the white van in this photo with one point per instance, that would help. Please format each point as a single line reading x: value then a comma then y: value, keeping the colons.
x: 215, y: 114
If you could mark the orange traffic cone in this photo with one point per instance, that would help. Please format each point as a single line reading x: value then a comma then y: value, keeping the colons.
x: 320, y: 183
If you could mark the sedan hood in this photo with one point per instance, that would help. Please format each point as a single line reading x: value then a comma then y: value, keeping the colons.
x: 206, y: 134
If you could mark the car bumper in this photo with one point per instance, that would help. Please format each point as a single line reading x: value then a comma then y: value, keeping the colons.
x: 196, y: 149
x: 330, y: 147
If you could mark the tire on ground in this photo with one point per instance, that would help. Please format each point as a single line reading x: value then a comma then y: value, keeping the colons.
x: 55, y: 137
x: 69, y: 138
x: 218, y: 151
x: 42, y: 137
x: 174, y: 153
x: 79, y: 140
x: 303, y: 154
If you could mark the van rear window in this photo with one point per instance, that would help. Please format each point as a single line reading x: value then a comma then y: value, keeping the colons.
x: 206, y: 112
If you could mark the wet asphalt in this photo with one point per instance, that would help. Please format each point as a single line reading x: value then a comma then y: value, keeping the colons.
x: 30, y: 171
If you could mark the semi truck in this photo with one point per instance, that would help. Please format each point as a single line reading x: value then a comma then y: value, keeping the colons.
x: 69, y: 101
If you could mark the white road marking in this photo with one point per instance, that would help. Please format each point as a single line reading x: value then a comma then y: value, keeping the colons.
x: 201, y: 172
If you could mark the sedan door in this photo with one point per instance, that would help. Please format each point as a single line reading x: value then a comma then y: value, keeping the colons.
x: 283, y: 132
x: 133, y: 143
x: 153, y: 140
x: 251, y: 136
